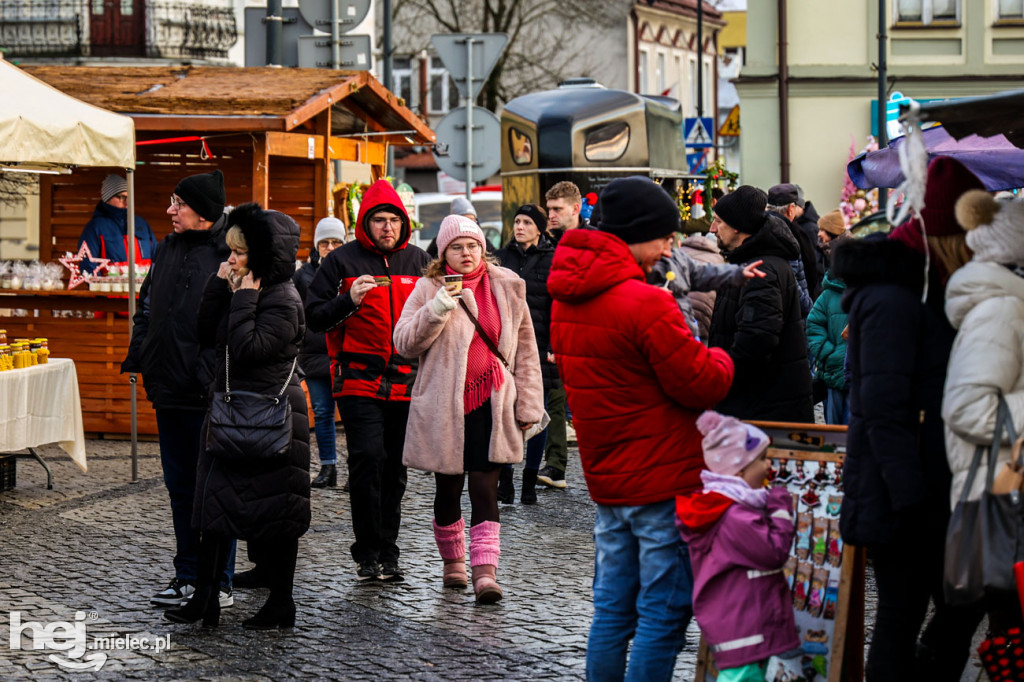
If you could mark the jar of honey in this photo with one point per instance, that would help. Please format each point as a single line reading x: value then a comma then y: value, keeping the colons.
x: 43, y: 354
x: 5, y: 358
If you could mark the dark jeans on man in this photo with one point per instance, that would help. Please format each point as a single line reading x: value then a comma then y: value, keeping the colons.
x: 556, y: 453
x: 180, y: 433
x: 375, y: 434
x: 908, y: 573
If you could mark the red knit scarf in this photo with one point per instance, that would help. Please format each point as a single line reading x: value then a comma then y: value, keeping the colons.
x: 483, y: 370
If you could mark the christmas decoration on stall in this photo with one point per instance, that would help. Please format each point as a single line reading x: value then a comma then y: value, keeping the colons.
x: 855, y: 203
x: 693, y: 197
x: 73, y: 264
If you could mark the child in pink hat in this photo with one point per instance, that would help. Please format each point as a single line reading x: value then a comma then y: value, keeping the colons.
x: 739, y: 533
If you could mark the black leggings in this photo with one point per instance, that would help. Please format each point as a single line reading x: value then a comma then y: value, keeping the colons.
x: 483, y: 497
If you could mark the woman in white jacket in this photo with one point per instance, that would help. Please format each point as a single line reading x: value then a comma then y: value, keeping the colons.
x: 985, y: 303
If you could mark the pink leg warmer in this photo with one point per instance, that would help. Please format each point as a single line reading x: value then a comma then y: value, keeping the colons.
x: 451, y: 540
x: 485, y: 543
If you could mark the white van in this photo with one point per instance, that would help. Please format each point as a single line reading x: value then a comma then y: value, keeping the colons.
x: 432, y: 207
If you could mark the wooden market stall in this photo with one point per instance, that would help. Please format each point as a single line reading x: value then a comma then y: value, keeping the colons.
x: 273, y: 133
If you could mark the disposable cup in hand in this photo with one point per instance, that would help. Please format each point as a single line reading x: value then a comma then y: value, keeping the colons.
x: 453, y: 283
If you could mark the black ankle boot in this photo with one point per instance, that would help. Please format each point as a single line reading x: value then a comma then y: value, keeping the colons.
x: 252, y: 579
x: 529, y: 493
x: 327, y: 478
x: 506, y: 486
x: 276, y: 613
x: 205, y: 604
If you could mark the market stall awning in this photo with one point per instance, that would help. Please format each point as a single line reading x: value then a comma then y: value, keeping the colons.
x: 41, y: 127
x: 997, y: 163
x: 986, y: 116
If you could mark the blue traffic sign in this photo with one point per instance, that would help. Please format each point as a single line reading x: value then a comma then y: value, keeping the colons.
x: 697, y: 162
x: 698, y: 132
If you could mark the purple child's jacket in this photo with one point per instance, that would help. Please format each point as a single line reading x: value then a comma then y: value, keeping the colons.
x: 740, y: 597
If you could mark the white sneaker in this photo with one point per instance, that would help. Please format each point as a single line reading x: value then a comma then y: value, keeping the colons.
x: 176, y: 593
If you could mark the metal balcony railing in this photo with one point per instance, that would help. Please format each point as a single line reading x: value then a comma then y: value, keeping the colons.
x: 70, y: 29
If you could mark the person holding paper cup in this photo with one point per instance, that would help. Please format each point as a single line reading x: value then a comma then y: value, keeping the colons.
x: 478, y: 390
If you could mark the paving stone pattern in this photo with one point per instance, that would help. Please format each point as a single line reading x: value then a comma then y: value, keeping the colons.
x: 102, y: 545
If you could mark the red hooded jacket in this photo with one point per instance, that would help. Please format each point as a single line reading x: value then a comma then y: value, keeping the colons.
x: 359, y: 338
x: 635, y: 377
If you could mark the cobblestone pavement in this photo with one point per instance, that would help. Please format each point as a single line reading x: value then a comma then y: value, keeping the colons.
x: 102, y: 545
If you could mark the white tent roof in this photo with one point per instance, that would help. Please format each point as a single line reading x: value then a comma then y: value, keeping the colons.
x: 41, y: 126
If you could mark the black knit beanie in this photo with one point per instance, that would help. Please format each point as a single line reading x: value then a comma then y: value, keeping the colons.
x: 743, y: 209
x: 204, y: 193
x: 533, y: 212
x: 636, y: 209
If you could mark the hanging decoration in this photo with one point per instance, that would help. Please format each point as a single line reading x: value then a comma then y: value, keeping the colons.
x: 73, y: 264
x: 856, y: 204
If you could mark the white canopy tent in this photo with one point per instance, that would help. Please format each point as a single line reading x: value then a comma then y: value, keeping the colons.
x: 42, y: 130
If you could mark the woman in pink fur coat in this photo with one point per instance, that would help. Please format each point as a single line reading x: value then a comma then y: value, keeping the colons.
x: 469, y: 407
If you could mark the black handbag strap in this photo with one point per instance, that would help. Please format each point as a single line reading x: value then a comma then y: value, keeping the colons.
x: 1004, y: 421
x: 227, y: 374
x: 486, y: 339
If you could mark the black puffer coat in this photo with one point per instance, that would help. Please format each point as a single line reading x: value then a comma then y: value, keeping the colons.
x: 760, y: 326
x: 263, y: 329
x: 896, y: 474
x: 533, y: 265
x: 165, y: 342
x: 313, y: 358
x: 808, y: 225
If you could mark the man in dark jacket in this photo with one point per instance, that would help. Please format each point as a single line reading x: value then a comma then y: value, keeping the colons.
x: 787, y: 200
x: 106, y: 233
x: 165, y: 349
x: 563, y: 203
x: 637, y: 380
x: 357, y: 297
x: 760, y: 324
x: 314, y: 359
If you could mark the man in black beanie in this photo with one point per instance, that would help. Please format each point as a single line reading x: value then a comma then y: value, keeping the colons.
x: 760, y: 325
x: 636, y: 379
x: 165, y: 350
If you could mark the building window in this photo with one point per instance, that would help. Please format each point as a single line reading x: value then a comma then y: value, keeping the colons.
x: 693, y: 86
x: 927, y: 12
x: 444, y: 96
x: 641, y: 86
x: 401, y: 75
x: 1010, y: 10
x: 659, y: 73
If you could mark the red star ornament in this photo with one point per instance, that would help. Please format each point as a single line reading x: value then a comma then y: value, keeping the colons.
x: 72, y: 263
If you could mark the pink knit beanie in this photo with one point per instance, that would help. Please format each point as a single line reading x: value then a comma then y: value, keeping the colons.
x: 455, y: 226
x: 729, y: 444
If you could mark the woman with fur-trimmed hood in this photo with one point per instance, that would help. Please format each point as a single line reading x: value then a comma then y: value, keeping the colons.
x: 469, y: 406
x: 251, y: 308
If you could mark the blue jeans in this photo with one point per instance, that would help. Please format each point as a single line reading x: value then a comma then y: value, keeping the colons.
x: 180, y: 434
x: 837, y: 407
x: 643, y: 587
x: 321, y: 398
x: 535, y: 446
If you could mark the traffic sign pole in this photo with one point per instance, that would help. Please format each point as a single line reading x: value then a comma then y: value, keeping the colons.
x: 469, y: 121
x: 335, y: 36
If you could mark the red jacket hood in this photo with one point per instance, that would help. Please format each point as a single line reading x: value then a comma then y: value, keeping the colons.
x: 588, y: 263
x: 700, y: 511
x: 381, y: 193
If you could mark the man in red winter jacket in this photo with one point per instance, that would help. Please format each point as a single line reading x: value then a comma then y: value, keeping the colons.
x: 636, y: 381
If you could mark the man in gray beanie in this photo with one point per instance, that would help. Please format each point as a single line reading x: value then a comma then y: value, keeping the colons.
x: 106, y: 233
x: 177, y: 372
x: 760, y: 325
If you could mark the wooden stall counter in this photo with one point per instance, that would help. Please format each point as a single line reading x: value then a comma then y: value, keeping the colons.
x: 97, y: 345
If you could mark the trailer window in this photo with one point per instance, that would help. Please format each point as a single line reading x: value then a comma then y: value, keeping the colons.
x: 606, y: 142
x: 520, y: 147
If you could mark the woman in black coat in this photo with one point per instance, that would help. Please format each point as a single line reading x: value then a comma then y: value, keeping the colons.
x: 251, y: 308
x: 529, y: 255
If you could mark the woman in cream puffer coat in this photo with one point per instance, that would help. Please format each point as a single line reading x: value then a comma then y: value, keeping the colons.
x: 985, y: 303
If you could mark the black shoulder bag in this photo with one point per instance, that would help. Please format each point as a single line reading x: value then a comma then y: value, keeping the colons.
x: 985, y: 537
x: 247, y: 426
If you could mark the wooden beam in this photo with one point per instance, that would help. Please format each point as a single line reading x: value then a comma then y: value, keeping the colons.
x: 260, y: 170
x: 295, y: 145
x: 207, y: 123
x: 323, y: 100
x: 321, y: 177
x: 371, y: 84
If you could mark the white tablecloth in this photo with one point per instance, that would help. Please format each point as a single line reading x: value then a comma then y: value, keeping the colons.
x: 40, y: 405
